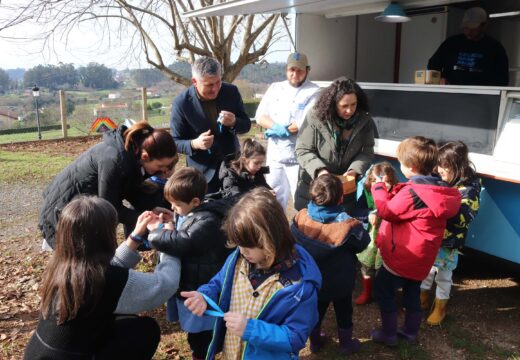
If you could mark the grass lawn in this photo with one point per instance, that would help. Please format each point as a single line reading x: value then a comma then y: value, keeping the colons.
x: 46, y: 135
x: 30, y: 166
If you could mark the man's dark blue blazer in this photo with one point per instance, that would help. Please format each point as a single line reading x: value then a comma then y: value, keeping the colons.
x: 188, y: 121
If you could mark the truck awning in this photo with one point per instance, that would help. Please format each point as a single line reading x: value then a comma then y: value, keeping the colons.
x: 327, y: 8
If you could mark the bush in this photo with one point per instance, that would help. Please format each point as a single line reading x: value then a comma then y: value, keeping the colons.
x: 31, y: 129
x: 250, y: 107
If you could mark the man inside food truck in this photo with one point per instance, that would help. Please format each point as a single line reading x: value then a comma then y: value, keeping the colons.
x: 472, y: 58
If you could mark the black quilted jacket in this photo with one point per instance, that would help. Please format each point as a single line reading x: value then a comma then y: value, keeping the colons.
x: 234, y: 184
x: 106, y: 170
x: 199, y: 243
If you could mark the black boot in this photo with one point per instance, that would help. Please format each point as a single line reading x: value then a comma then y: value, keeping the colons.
x: 387, y: 333
x: 317, y: 339
x: 412, y: 323
x: 348, y: 344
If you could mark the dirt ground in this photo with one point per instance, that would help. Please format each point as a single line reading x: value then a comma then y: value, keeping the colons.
x: 483, y: 318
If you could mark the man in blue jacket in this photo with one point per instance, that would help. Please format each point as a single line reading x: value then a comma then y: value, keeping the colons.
x: 206, y: 119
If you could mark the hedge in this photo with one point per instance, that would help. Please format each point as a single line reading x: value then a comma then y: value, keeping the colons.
x: 250, y: 108
x: 31, y: 129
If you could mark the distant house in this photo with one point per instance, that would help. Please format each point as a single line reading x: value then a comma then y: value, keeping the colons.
x: 153, y: 93
x: 258, y: 95
x: 113, y: 96
x: 103, y: 109
x: 8, y: 112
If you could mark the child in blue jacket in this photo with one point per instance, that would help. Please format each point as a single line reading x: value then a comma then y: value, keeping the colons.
x: 266, y: 291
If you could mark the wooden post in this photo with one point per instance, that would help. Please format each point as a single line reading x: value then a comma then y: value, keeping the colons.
x: 145, y: 104
x: 63, y: 112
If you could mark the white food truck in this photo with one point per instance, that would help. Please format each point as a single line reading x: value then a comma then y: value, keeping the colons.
x: 342, y: 38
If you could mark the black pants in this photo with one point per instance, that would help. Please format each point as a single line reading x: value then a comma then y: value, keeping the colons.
x: 131, y: 338
x: 342, y: 309
x: 134, y: 337
x: 199, y: 343
x: 385, y: 287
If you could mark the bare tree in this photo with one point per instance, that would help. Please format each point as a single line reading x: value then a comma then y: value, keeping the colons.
x: 235, y: 40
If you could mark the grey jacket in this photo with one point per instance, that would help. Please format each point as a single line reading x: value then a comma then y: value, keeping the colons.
x: 145, y: 291
x: 316, y: 149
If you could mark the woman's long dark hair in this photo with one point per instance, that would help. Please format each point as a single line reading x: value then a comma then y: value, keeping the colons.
x: 85, y: 244
x: 158, y: 143
x: 325, y: 107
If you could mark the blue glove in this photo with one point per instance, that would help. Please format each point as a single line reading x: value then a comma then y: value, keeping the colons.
x: 277, y: 130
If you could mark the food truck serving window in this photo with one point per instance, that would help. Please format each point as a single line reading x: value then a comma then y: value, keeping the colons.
x: 471, y: 118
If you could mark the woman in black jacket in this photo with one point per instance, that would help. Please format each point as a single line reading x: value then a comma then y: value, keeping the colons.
x: 114, y: 170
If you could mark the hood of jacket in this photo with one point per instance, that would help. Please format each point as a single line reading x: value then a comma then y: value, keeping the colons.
x: 220, y: 206
x: 296, y: 301
x: 309, y: 270
x: 309, y: 282
x: 115, y: 137
x: 439, y: 197
x: 355, y: 240
x: 127, y: 159
x: 225, y: 165
x: 472, y: 183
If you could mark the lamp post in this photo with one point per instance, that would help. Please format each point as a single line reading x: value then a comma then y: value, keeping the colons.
x: 36, y: 94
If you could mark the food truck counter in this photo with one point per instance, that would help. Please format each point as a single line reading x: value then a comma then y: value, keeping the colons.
x: 487, y: 119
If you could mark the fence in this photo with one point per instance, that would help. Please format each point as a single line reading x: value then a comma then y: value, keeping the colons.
x: 72, y: 113
x: 76, y: 111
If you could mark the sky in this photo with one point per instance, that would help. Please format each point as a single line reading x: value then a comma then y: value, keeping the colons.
x: 85, y: 45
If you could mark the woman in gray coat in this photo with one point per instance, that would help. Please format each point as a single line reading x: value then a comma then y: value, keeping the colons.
x: 337, y: 137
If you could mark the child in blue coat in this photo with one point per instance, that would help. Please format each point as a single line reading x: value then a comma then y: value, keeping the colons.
x: 266, y: 291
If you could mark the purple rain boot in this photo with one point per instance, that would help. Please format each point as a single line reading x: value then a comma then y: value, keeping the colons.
x: 412, y: 323
x: 317, y: 339
x: 348, y: 344
x: 387, y: 333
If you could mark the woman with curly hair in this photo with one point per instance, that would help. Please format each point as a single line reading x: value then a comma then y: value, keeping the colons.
x: 337, y: 137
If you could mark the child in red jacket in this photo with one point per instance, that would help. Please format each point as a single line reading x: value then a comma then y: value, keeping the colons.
x: 414, y: 218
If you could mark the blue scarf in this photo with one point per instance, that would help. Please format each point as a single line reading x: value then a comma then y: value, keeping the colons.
x: 323, y: 214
